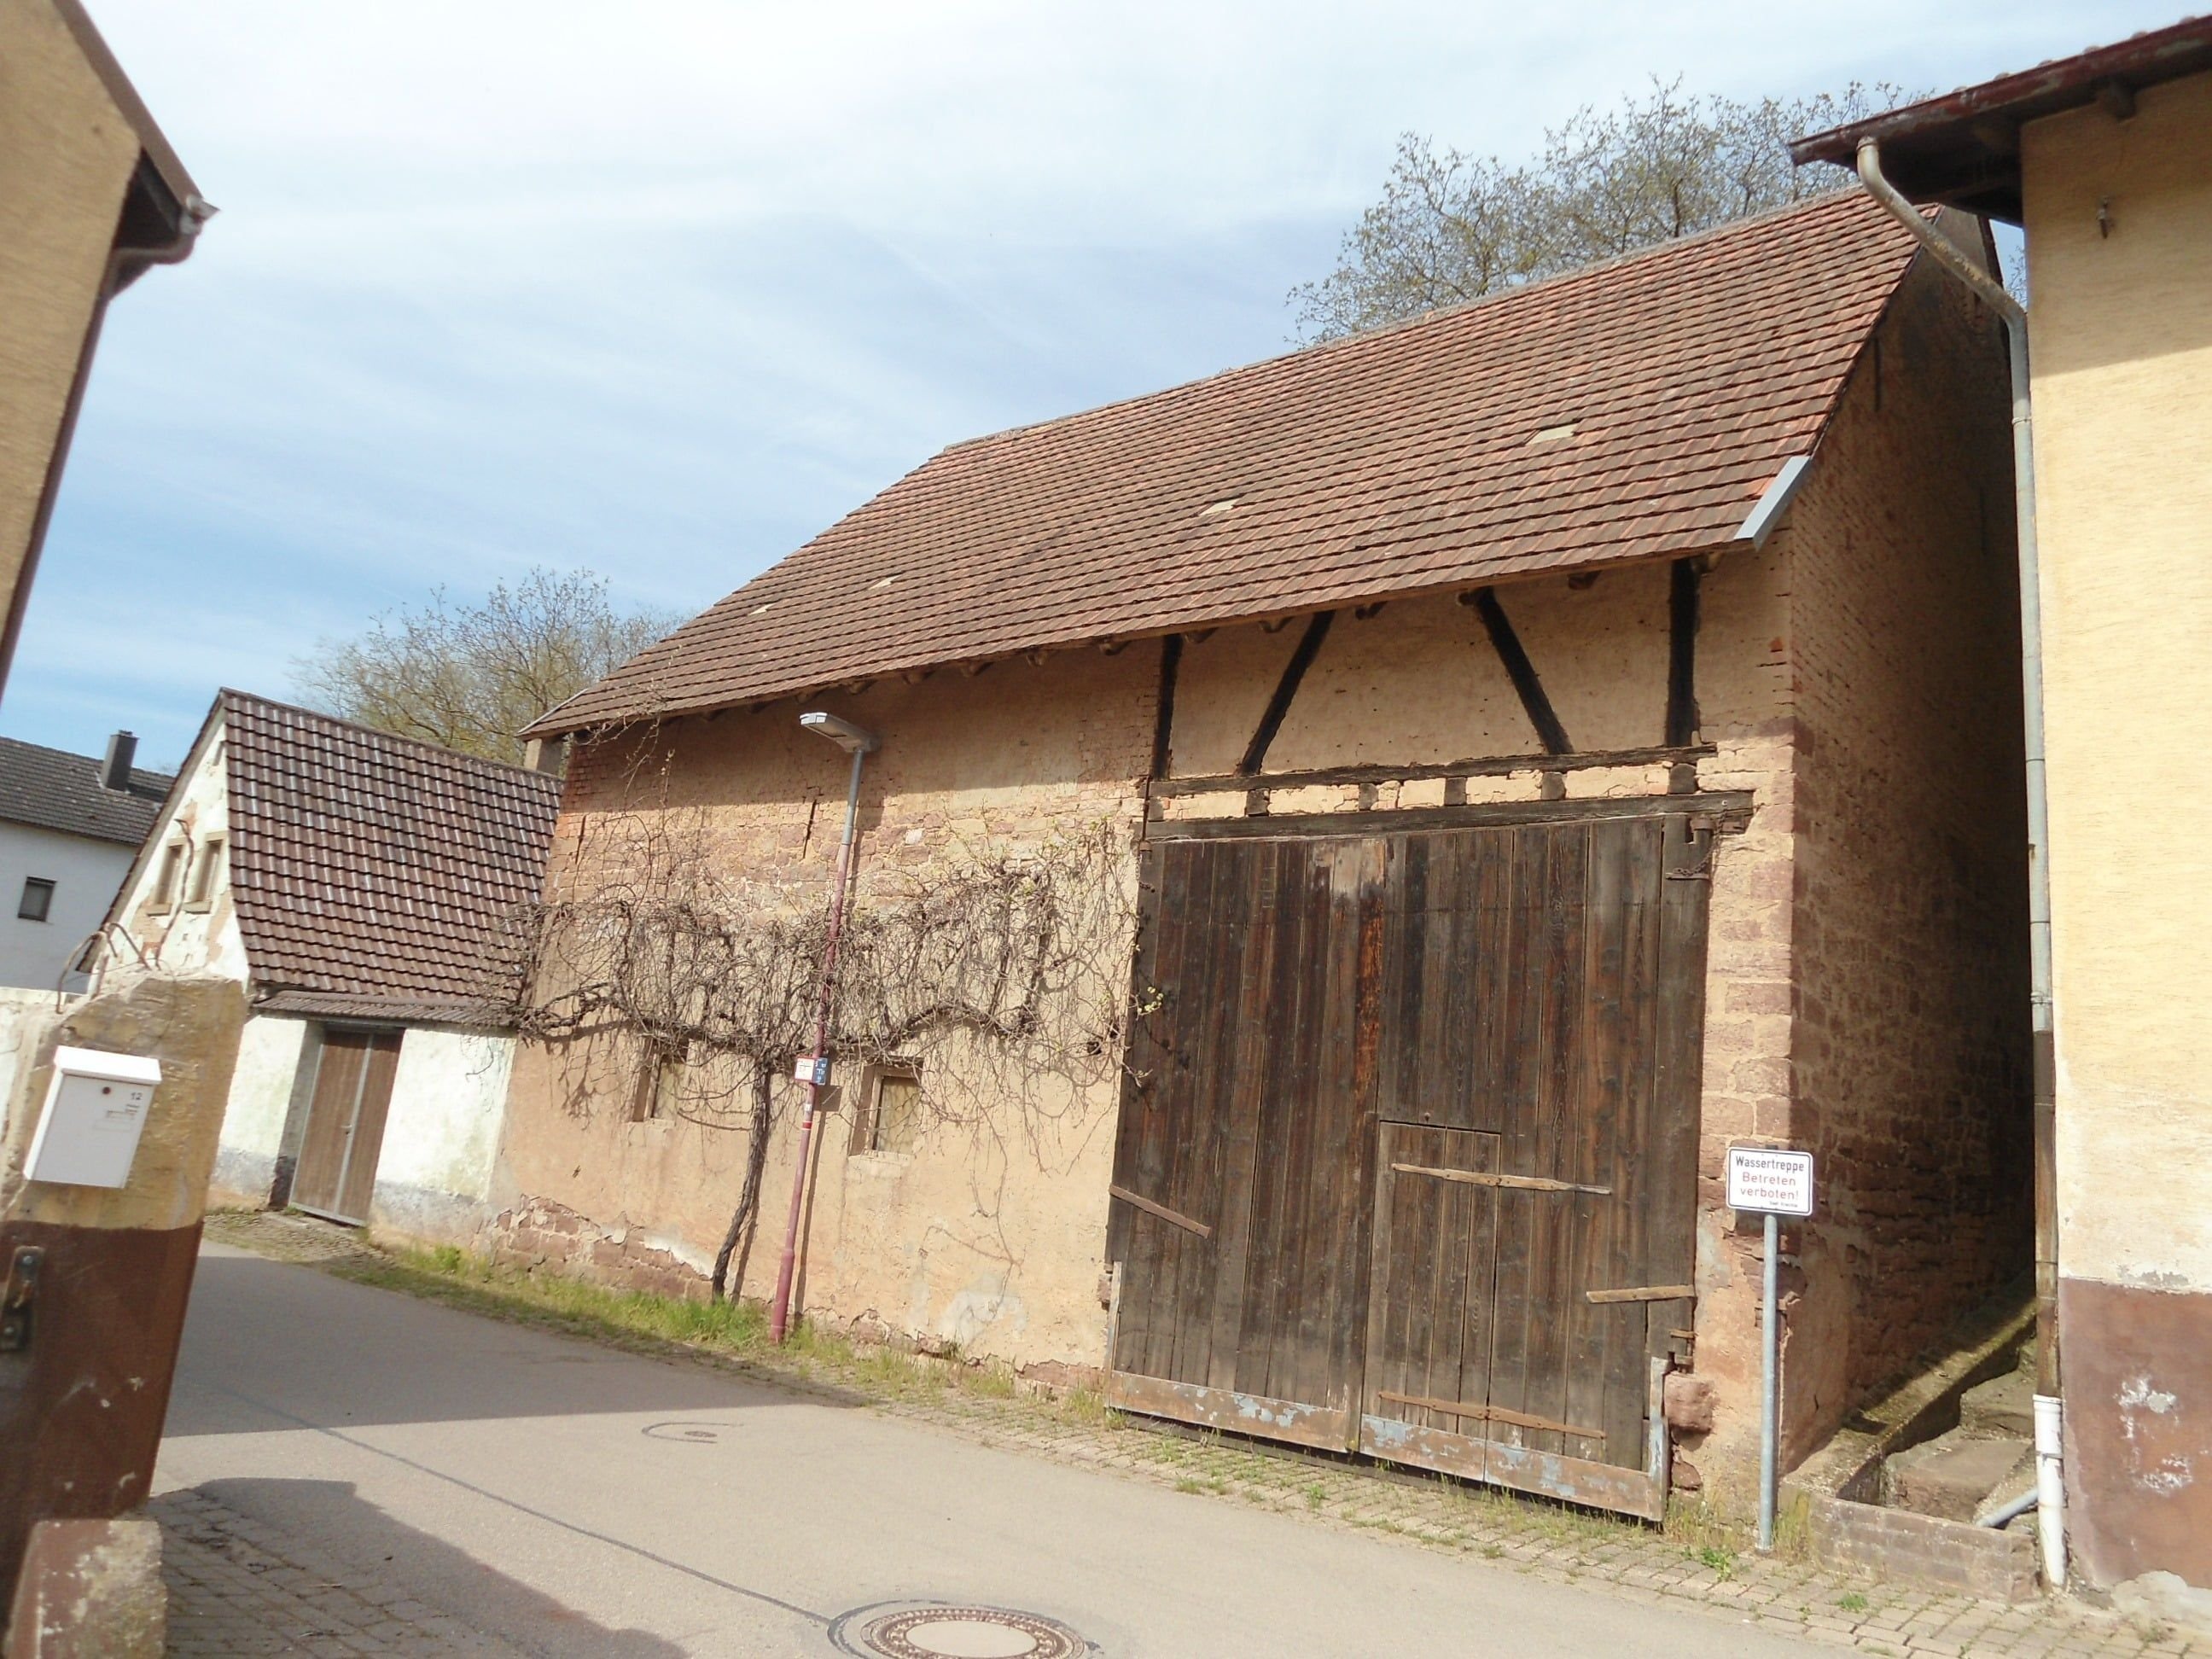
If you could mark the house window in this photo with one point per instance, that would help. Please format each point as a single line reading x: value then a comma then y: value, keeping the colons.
x: 660, y: 1089
x: 205, y: 869
x: 892, y: 1122
x: 165, y: 880
x: 37, y: 900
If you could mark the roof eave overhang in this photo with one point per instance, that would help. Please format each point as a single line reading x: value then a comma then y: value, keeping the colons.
x: 1963, y: 149
x: 557, y: 723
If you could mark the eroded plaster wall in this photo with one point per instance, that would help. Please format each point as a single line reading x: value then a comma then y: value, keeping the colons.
x: 2119, y: 237
x: 433, y: 1177
x: 272, y: 1050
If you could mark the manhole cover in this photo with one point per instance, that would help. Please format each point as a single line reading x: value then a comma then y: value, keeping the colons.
x: 935, y: 1631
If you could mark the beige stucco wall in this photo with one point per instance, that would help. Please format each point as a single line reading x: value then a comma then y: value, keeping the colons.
x: 66, y: 157
x: 2119, y: 237
x: 2122, y: 337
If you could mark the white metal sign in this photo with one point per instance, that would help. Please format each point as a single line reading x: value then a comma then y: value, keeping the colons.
x: 88, y: 1134
x: 1770, y: 1180
x: 814, y: 1069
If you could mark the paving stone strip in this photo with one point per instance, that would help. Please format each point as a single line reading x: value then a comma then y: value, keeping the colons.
x: 1686, y: 1565
x: 239, y: 1589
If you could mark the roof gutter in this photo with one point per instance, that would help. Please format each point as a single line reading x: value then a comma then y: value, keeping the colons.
x: 2051, y: 1523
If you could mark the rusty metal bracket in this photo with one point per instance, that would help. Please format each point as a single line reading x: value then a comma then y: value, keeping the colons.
x: 17, y: 1301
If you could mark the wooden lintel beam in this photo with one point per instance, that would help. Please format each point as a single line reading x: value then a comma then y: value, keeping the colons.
x: 1489, y: 767
x: 1726, y: 810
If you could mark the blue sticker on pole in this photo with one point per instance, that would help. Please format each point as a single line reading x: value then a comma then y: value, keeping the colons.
x: 814, y: 1069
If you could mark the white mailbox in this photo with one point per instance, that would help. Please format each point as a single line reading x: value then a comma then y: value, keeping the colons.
x: 96, y: 1105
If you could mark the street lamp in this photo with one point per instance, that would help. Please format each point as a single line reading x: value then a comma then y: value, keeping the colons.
x: 814, y: 1069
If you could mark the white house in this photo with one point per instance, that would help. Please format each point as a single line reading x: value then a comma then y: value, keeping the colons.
x: 356, y: 883
x: 70, y: 826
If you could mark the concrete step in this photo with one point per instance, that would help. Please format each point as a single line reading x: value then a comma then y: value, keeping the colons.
x: 2003, y: 1405
x: 1950, y: 1476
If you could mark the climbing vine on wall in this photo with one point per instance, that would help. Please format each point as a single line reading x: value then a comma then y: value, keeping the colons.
x: 675, y: 975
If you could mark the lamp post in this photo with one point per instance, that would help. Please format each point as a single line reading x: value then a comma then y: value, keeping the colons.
x: 856, y: 742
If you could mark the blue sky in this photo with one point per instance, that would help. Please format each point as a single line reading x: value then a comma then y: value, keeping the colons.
x: 660, y: 289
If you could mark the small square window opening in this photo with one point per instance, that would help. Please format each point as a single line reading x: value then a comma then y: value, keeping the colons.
x: 895, y: 1110
x: 38, y: 901
x: 659, y: 1088
x: 206, y: 869
x: 165, y: 880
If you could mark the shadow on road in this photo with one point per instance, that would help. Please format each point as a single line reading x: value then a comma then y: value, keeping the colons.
x: 269, y: 1345
x: 356, y: 1552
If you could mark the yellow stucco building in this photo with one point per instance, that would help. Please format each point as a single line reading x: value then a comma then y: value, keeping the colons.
x: 90, y: 196
x: 2106, y: 161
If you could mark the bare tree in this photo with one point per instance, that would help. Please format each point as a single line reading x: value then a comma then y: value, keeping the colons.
x: 470, y: 676
x: 1452, y: 227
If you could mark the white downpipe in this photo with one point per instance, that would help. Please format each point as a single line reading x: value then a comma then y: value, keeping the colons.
x: 2051, y: 1487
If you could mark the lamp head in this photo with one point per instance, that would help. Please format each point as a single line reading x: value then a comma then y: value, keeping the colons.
x: 853, y: 739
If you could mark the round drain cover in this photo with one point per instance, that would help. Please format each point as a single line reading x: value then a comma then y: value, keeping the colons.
x: 956, y: 1632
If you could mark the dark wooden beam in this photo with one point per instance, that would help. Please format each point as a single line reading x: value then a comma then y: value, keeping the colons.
x: 1494, y: 766
x: 1255, y: 752
x: 1682, y: 653
x: 1520, y: 671
x: 1164, y: 715
x: 1729, y: 808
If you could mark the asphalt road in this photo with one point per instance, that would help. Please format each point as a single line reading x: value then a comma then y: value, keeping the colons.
x: 572, y: 1500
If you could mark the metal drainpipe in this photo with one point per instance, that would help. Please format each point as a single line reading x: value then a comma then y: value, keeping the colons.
x: 2050, y: 1489
x: 780, y: 1312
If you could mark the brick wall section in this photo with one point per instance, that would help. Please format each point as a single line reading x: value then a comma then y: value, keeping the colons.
x: 1908, y: 1070
x: 1904, y: 1549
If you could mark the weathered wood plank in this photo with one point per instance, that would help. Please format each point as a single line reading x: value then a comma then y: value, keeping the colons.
x: 1476, y: 1411
x: 1643, y: 1293
x: 1485, y: 1178
x: 1170, y: 1217
x: 1233, y: 1412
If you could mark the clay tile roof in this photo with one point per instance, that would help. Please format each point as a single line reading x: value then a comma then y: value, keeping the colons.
x: 53, y: 789
x: 1429, y: 456
x: 372, y: 874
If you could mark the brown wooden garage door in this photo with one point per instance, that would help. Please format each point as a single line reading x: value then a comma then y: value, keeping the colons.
x: 337, y: 1175
x: 1397, y: 1105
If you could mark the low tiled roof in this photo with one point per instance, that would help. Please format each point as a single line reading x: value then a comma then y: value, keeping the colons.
x: 1432, y: 455
x: 373, y: 875
x: 53, y: 789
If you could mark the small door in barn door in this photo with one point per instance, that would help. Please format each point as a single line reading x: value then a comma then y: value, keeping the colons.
x: 337, y: 1173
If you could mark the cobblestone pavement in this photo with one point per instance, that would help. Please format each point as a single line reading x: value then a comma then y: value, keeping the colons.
x: 1690, y: 1564
x: 237, y: 1590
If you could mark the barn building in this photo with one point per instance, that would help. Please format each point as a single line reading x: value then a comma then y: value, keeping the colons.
x: 1547, y: 741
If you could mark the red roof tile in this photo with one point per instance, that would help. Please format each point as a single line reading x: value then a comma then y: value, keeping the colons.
x: 373, y: 875
x: 1387, y: 464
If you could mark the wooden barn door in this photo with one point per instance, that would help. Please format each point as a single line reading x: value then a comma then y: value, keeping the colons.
x: 1244, y: 1167
x: 337, y: 1175
x: 1407, y: 1158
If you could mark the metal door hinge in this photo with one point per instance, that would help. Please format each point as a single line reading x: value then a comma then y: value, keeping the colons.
x: 17, y: 1301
